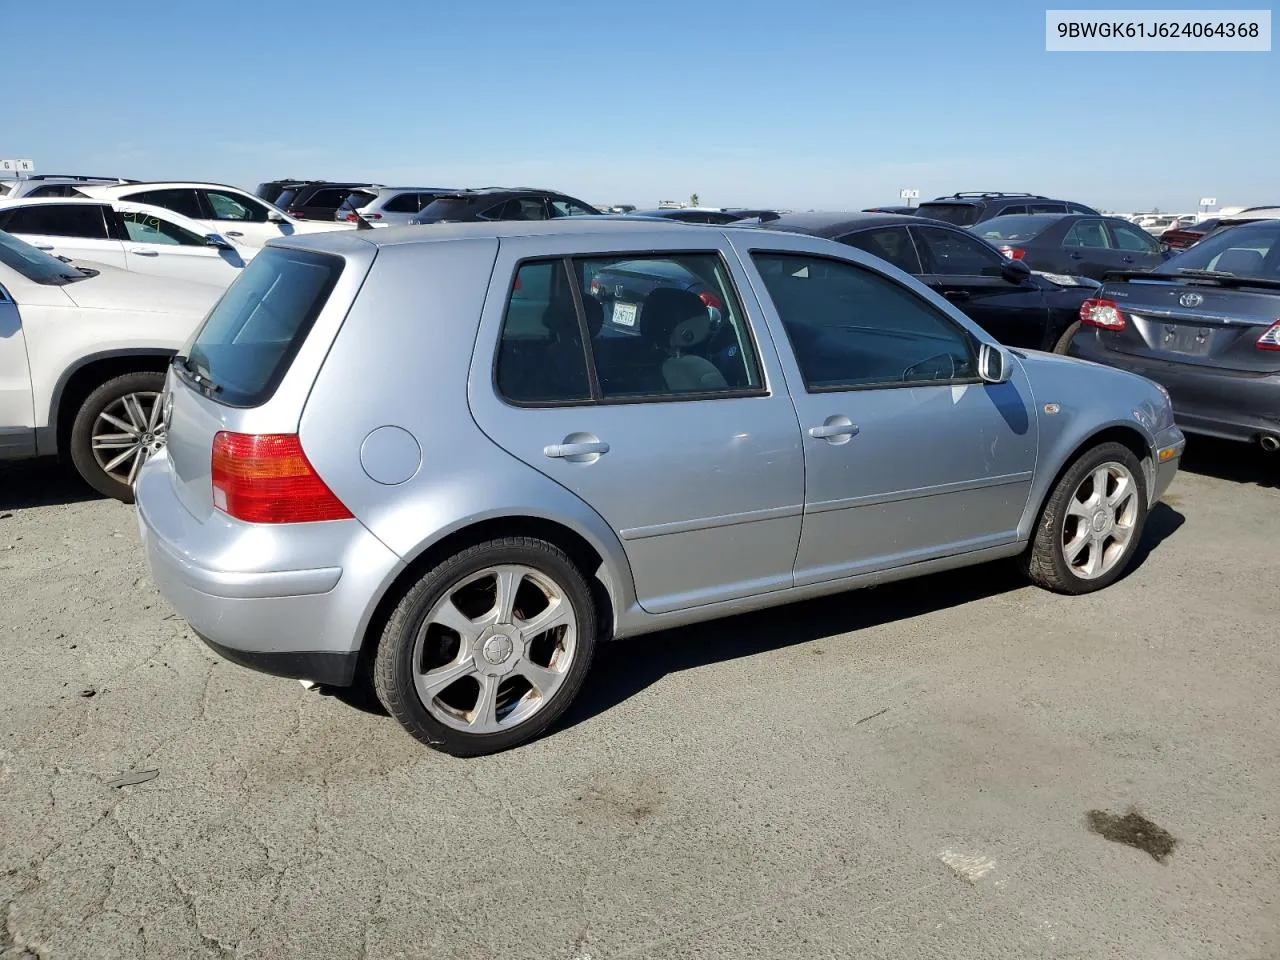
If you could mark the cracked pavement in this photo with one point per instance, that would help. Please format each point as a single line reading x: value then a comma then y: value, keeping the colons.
x: 899, y: 772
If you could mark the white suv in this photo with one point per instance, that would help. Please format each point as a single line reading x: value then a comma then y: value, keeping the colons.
x: 132, y: 236
x: 83, y: 354
x: 388, y: 206
x: 227, y: 211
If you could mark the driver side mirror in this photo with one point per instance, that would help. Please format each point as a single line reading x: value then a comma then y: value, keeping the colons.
x: 275, y: 216
x: 993, y: 364
x: 1015, y: 271
x: 219, y: 241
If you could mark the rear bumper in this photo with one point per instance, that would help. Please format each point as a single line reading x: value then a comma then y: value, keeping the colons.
x: 290, y: 600
x: 1219, y: 403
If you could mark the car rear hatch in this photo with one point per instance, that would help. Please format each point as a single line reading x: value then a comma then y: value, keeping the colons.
x: 276, y: 319
x: 1197, y: 322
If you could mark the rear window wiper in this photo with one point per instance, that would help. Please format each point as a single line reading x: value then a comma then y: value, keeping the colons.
x: 193, y: 373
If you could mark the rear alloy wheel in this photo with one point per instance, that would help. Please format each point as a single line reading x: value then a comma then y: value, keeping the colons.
x: 1091, y: 524
x: 117, y: 427
x: 489, y: 648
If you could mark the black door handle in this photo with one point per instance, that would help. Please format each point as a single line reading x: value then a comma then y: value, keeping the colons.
x: 956, y: 294
x: 1127, y: 259
x: 1075, y: 255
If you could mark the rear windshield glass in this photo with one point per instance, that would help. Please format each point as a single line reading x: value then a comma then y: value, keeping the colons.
x: 250, y: 337
x: 286, y: 197
x: 358, y: 199
x: 1247, y: 251
x: 445, y: 208
x: 961, y: 214
x: 1001, y: 229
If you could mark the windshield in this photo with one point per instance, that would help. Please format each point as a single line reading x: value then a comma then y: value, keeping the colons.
x: 961, y: 214
x: 36, y: 265
x: 1252, y: 250
x: 1003, y: 229
x: 444, y: 208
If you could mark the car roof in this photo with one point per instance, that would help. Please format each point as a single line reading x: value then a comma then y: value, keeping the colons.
x: 105, y: 188
x: 347, y: 241
x: 831, y: 224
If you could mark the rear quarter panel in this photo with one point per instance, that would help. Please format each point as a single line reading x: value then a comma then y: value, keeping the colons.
x: 402, y: 359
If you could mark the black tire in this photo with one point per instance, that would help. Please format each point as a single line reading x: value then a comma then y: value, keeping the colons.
x: 82, y: 454
x: 1064, y: 341
x: 393, y: 673
x: 1045, y: 562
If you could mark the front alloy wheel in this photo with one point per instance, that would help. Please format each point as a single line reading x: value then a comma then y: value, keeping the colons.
x: 117, y: 427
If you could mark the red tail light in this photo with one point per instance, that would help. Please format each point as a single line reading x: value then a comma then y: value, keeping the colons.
x: 711, y: 300
x: 1013, y: 253
x: 1104, y: 314
x: 1271, y: 339
x: 297, y: 214
x: 266, y: 478
x: 350, y: 218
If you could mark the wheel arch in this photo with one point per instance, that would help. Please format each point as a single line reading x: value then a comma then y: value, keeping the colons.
x: 1130, y: 435
x: 86, y: 375
x: 609, y: 583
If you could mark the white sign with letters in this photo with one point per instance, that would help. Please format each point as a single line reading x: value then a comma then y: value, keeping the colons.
x: 1208, y: 201
x: 908, y: 194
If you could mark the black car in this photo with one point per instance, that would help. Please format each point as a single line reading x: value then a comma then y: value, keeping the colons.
x: 503, y: 203
x: 315, y: 201
x: 271, y: 190
x: 904, y: 211
x: 966, y: 209
x: 716, y: 215
x: 1075, y: 244
x: 1203, y: 325
x: 1003, y: 296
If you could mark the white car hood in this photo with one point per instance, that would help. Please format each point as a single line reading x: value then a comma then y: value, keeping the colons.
x: 115, y: 289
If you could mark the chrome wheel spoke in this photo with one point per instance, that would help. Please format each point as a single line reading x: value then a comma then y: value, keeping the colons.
x: 110, y: 465
x: 1093, y: 566
x: 120, y: 424
x: 1101, y: 480
x: 1124, y: 489
x: 1077, y: 544
x: 138, y: 457
x: 542, y: 679
x: 113, y: 441
x: 507, y: 581
x: 448, y: 615
x: 432, y: 683
x: 556, y: 614
x: 133, y: 409
x: 157, y: 414
x: 1079, y: 508
x: 484, y: 715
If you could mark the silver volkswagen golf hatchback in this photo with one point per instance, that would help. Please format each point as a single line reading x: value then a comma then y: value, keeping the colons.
x: 449, y: 462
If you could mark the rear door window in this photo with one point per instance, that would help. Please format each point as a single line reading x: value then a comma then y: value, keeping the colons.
x: 1132, y: 239
x: 82, y: 220
x: 328, y: 198
x: 890, y: 243
x: 1087, y: 233
x: 400, y: 203
x: 184, y: 202
x: 449, y: 208
x: 952, y: 253
x: 233, y: 206
x: 253, y: 333
x: 1047, y: 207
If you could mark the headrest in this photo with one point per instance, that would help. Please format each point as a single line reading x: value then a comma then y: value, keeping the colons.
x: 673, y: 318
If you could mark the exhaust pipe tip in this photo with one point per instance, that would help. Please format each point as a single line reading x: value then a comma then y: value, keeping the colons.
x: 1269, y: 442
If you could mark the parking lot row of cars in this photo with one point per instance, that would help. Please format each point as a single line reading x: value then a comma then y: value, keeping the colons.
x: 1028, y: 268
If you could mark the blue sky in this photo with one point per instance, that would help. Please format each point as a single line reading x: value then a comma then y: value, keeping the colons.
x: 806, y: 105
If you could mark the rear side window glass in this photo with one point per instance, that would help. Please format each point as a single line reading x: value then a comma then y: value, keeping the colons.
x: 142, y: 227
x: 1087, y: 233
x: 1132, y: 239
x: 447, y: 208
x: 1047, y: 207
x: 362, y: 198
x: 956, y: 254
x: 890, y: 244
x: 400, y: 203
x: 665, y: 326
x: 82, y: 220
x: 541, y: 358
x: 246, y: 343
x: 1013, y: 211
x: 184, y: 202
x: 329, y: 197
x: 961, y: 214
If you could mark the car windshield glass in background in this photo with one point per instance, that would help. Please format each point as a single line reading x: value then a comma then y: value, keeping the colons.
x: 286, y: 198
x: 1247, y: 251
x: 961, y: 214
x: 1005, y: 229
x: 444, y: 208
x: 246, y: 343
x: 36, y: 265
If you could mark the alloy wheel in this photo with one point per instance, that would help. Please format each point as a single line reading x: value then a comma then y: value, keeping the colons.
x: 126, y: 432
x: 1100, y: 521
